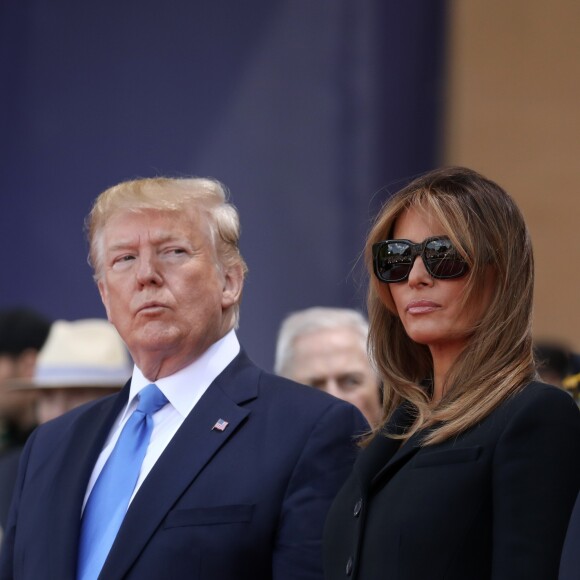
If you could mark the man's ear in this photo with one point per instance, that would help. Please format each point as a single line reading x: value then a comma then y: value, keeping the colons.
x: 233, y: 284
x: 104, y: 296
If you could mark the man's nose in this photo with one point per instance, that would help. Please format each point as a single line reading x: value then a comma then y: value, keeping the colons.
x: 148, y: 271
x: 331, y: 387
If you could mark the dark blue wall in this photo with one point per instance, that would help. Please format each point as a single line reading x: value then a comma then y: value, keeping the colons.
x: 310, y: 111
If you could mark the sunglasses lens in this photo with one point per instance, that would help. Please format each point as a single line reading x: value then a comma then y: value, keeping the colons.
x: 394, y: 261
x: 443, y: 260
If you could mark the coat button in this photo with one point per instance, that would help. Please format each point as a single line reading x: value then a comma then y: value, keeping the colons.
x: 349, y: 567
x: 357, y: 508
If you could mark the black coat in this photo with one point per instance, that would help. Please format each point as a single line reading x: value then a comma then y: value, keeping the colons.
x: 493, y: 502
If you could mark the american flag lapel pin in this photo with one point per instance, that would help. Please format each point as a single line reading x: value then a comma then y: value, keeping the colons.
x: 220, y: 425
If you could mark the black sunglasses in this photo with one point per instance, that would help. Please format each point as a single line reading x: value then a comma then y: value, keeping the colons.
x: 394, y: 259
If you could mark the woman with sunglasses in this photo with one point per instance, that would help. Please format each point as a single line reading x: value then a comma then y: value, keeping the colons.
x: 475, y: 469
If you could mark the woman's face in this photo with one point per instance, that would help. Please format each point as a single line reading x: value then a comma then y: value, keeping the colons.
x: 431, y: 310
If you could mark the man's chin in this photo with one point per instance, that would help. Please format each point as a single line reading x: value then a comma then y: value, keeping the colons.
x: 155, y: 335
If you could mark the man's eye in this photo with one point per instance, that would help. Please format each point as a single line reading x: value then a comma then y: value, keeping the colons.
x: 175, y: 251
x: 349, y: 382
x: 120, y: 261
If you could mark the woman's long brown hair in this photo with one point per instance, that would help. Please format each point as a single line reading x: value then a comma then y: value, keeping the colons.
x: 487, y: 227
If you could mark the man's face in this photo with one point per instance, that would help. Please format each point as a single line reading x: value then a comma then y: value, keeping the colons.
x: 163, y: 288
x: 335, y: 361
x: 17, y: 405
x: 55, y: 402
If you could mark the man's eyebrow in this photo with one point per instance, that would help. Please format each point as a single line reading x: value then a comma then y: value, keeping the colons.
x: 119, y: 246
x: 355, y: 374
x: 159, y: 239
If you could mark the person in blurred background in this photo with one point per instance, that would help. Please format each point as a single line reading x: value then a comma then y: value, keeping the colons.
x: 23, y: 331
x: 553, y: 362
x: 80, y: 361
x: 326, y: 348
x: 558, y: 365
x: 475, y: 470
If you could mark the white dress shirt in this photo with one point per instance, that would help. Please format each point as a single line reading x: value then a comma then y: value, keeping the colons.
x: 183, y: 390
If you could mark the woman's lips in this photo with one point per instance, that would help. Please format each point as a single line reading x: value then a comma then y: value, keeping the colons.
x: 422, y: 307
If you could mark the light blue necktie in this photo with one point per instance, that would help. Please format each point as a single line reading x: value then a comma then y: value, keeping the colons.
x: 109, y: 498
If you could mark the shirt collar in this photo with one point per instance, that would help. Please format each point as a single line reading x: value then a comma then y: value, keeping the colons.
x: 184, y: 388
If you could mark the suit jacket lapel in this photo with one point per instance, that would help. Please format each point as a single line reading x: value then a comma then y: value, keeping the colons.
x: 171, y: 476
x: 73, y: 466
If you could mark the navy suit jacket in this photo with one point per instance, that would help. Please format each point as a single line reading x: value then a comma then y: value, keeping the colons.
x: 8, y: 472
x: 248, y: 502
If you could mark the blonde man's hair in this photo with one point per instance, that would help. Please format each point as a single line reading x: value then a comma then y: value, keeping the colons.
x: 172, y: 195
x: 489, y: 231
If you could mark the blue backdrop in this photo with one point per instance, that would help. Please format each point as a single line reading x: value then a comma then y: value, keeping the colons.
x: 310, y: 111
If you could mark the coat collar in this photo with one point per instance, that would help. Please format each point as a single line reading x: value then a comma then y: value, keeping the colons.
x: 382, y: 447
x: 384, y: 456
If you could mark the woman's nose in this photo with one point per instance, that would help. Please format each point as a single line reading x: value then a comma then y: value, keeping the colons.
x: 419, y: 274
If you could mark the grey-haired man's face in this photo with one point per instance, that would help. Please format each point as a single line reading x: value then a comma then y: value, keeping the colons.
x: 335, y: 361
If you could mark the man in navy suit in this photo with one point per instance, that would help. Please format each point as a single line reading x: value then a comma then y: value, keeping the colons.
x: 241, y: 466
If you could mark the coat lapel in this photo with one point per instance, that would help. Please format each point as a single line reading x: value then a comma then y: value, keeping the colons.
x: 195, y: 440
x: 385, y: 456
x: 403, y: 454
x: 383, y: 449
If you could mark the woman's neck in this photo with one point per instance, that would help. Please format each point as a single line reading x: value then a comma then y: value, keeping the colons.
x: 443, y: 358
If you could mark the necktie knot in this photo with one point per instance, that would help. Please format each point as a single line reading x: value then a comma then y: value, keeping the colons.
x: 151, y: 399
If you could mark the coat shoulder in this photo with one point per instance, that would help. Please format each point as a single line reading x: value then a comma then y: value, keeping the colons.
x: 542, y: 401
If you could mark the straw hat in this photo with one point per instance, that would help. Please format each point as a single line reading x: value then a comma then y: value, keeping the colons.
x: 81, y: 353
